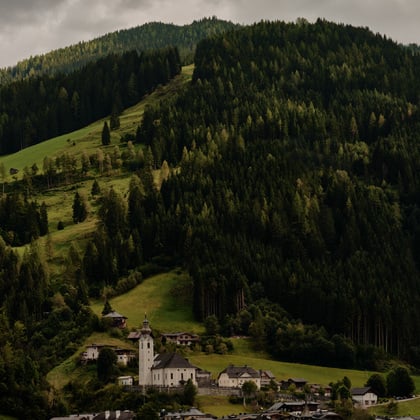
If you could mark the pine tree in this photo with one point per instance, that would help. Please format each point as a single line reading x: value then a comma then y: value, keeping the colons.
x: 79, y: 208
x: 43, y: 219
x: 106, y: 135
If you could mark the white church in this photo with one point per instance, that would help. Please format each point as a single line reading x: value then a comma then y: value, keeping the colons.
x: 166, y: 369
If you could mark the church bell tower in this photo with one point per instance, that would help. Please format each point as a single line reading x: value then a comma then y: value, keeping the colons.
x: 146, y: 354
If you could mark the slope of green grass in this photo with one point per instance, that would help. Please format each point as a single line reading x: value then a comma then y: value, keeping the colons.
x: 89, y: 138
x: 165, y: 298
x: 59, y: 200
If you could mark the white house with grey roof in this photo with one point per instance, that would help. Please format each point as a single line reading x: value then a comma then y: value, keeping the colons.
x: 235, y: 376
x: 364, y: 396
x: 166, y: 369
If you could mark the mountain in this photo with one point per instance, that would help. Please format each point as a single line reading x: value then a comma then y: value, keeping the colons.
x: 150, y: 36
x: 284, y: 178
x: 298, y: 186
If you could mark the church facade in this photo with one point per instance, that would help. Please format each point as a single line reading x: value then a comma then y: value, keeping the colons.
x: 166, y: 369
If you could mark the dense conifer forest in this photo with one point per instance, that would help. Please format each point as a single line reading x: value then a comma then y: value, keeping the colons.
x: 39, y: 108
x: 298, y: 149
x: 289, y: 190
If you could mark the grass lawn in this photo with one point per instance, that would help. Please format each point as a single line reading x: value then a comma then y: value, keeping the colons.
x: 215, y: 363
x: 405, y: 408
x: 217, y: 405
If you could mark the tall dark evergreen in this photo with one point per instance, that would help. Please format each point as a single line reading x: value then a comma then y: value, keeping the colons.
x: 106, y: 135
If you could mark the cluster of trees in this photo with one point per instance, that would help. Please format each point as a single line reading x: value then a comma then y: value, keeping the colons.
x: 41, y: 324
x: 298, y: 154
x: 38, y: 108
x: 22, y: 221
x: 150, y: 36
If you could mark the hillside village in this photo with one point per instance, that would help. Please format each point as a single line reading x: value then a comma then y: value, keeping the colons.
x: 170, y: 372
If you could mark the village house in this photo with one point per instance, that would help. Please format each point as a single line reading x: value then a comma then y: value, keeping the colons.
x: 92, y: 352
x: 124, y: 356
x: 192, y: 413
x: 125, y: 380
x: 181, y: 338
x: 364, y: 397
x: 106, y: 415
x: 298, y: 383
x: 117, y: 320
x: 267, y: 378
x: 235, y: 376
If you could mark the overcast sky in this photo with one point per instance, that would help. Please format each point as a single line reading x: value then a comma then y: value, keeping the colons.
x: 31, y: 27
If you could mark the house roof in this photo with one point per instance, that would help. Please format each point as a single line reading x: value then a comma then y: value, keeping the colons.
x: 297, y: 380
x: 115, y: 415
x: 239, y: 371
x: 171, y: 360
x: 134, y: 335
x: 177, y: 334
x: 267, y: 373
x: 114, y: 314
x: 360, y: 391
x: 188, y: 413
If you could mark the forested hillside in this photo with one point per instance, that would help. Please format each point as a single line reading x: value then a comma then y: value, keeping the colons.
x: 150, y: 36
x: 284, y: 178
x: 39, y: 108
x: 299, y: 155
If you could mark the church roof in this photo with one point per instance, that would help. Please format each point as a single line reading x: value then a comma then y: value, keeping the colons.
x: 171, y: 360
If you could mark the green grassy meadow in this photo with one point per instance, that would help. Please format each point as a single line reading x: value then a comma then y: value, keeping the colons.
x: 166, y: 300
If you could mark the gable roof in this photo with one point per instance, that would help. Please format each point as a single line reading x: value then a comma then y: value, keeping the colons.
x: 297, y: 380
x: 238, y: 371
x: 267, y: 373
x: 171, y: 360
x: 360, y: 391
x: 114, y: 314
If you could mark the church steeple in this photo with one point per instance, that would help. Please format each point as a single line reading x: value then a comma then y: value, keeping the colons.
x: 146, y: 354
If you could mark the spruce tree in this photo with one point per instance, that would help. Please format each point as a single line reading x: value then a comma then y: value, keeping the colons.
x: 106, y: 135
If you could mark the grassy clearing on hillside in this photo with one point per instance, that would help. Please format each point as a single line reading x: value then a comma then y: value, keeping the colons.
x: 59, y: 200
x: 166, y: 300
x: 69, y: 370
